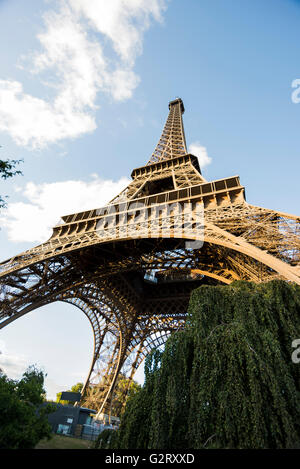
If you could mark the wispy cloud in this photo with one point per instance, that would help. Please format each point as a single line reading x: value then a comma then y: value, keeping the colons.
x: 11, y: 364
x: 201, y: 152
x: 14, y: 365
x: 76, y: 62
x: 32, y: 221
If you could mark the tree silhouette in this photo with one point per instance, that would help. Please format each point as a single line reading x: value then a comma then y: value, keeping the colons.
x: 8, y: 170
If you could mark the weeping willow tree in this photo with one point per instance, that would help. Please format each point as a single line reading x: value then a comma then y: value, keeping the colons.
x: 227, y: 380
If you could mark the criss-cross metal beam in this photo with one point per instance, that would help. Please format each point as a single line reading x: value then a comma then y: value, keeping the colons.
x: 131, y: 266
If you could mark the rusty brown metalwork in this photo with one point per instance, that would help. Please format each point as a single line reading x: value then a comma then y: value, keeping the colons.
x: 131, y: 266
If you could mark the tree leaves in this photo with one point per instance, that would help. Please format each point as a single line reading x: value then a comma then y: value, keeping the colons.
x: 23, y: 413
x: 7, y: 170
x: 227, y: 380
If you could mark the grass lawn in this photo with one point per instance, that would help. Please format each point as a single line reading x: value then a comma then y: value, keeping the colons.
x: 64, y: 442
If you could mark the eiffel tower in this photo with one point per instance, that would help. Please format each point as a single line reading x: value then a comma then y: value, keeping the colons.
x: 131, y: 265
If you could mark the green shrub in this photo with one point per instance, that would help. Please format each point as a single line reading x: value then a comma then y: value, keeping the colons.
x: 106, y: 439
x: 23, y: 412
x: 227, y: 380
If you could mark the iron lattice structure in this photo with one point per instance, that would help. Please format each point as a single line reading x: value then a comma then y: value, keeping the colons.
x: 131, y: 265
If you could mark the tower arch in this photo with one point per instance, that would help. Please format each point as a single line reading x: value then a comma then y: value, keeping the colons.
x: 132, y: 265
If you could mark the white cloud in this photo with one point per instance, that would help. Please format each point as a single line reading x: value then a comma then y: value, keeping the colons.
x: 34, y: 122
x: 198, y: 150
x: 124, y: 21
x: 14, y: 365
x: 11, y: 364
x: 72, y: 62
x: 33, y: 220
x: 52, y: 388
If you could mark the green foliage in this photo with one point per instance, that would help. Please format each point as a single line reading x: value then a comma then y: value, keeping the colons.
x: 106, y: 439
x: 124, y: 389
x: 7, y: 170
x: 23, y: 413
x: 242, y: 336
x: 227, y: 380
x: 135, y: 424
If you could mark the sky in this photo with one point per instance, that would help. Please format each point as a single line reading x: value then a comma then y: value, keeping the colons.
x: 84, y: 92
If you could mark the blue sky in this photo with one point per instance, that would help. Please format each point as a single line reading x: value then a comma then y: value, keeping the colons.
x: 84, y: 92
